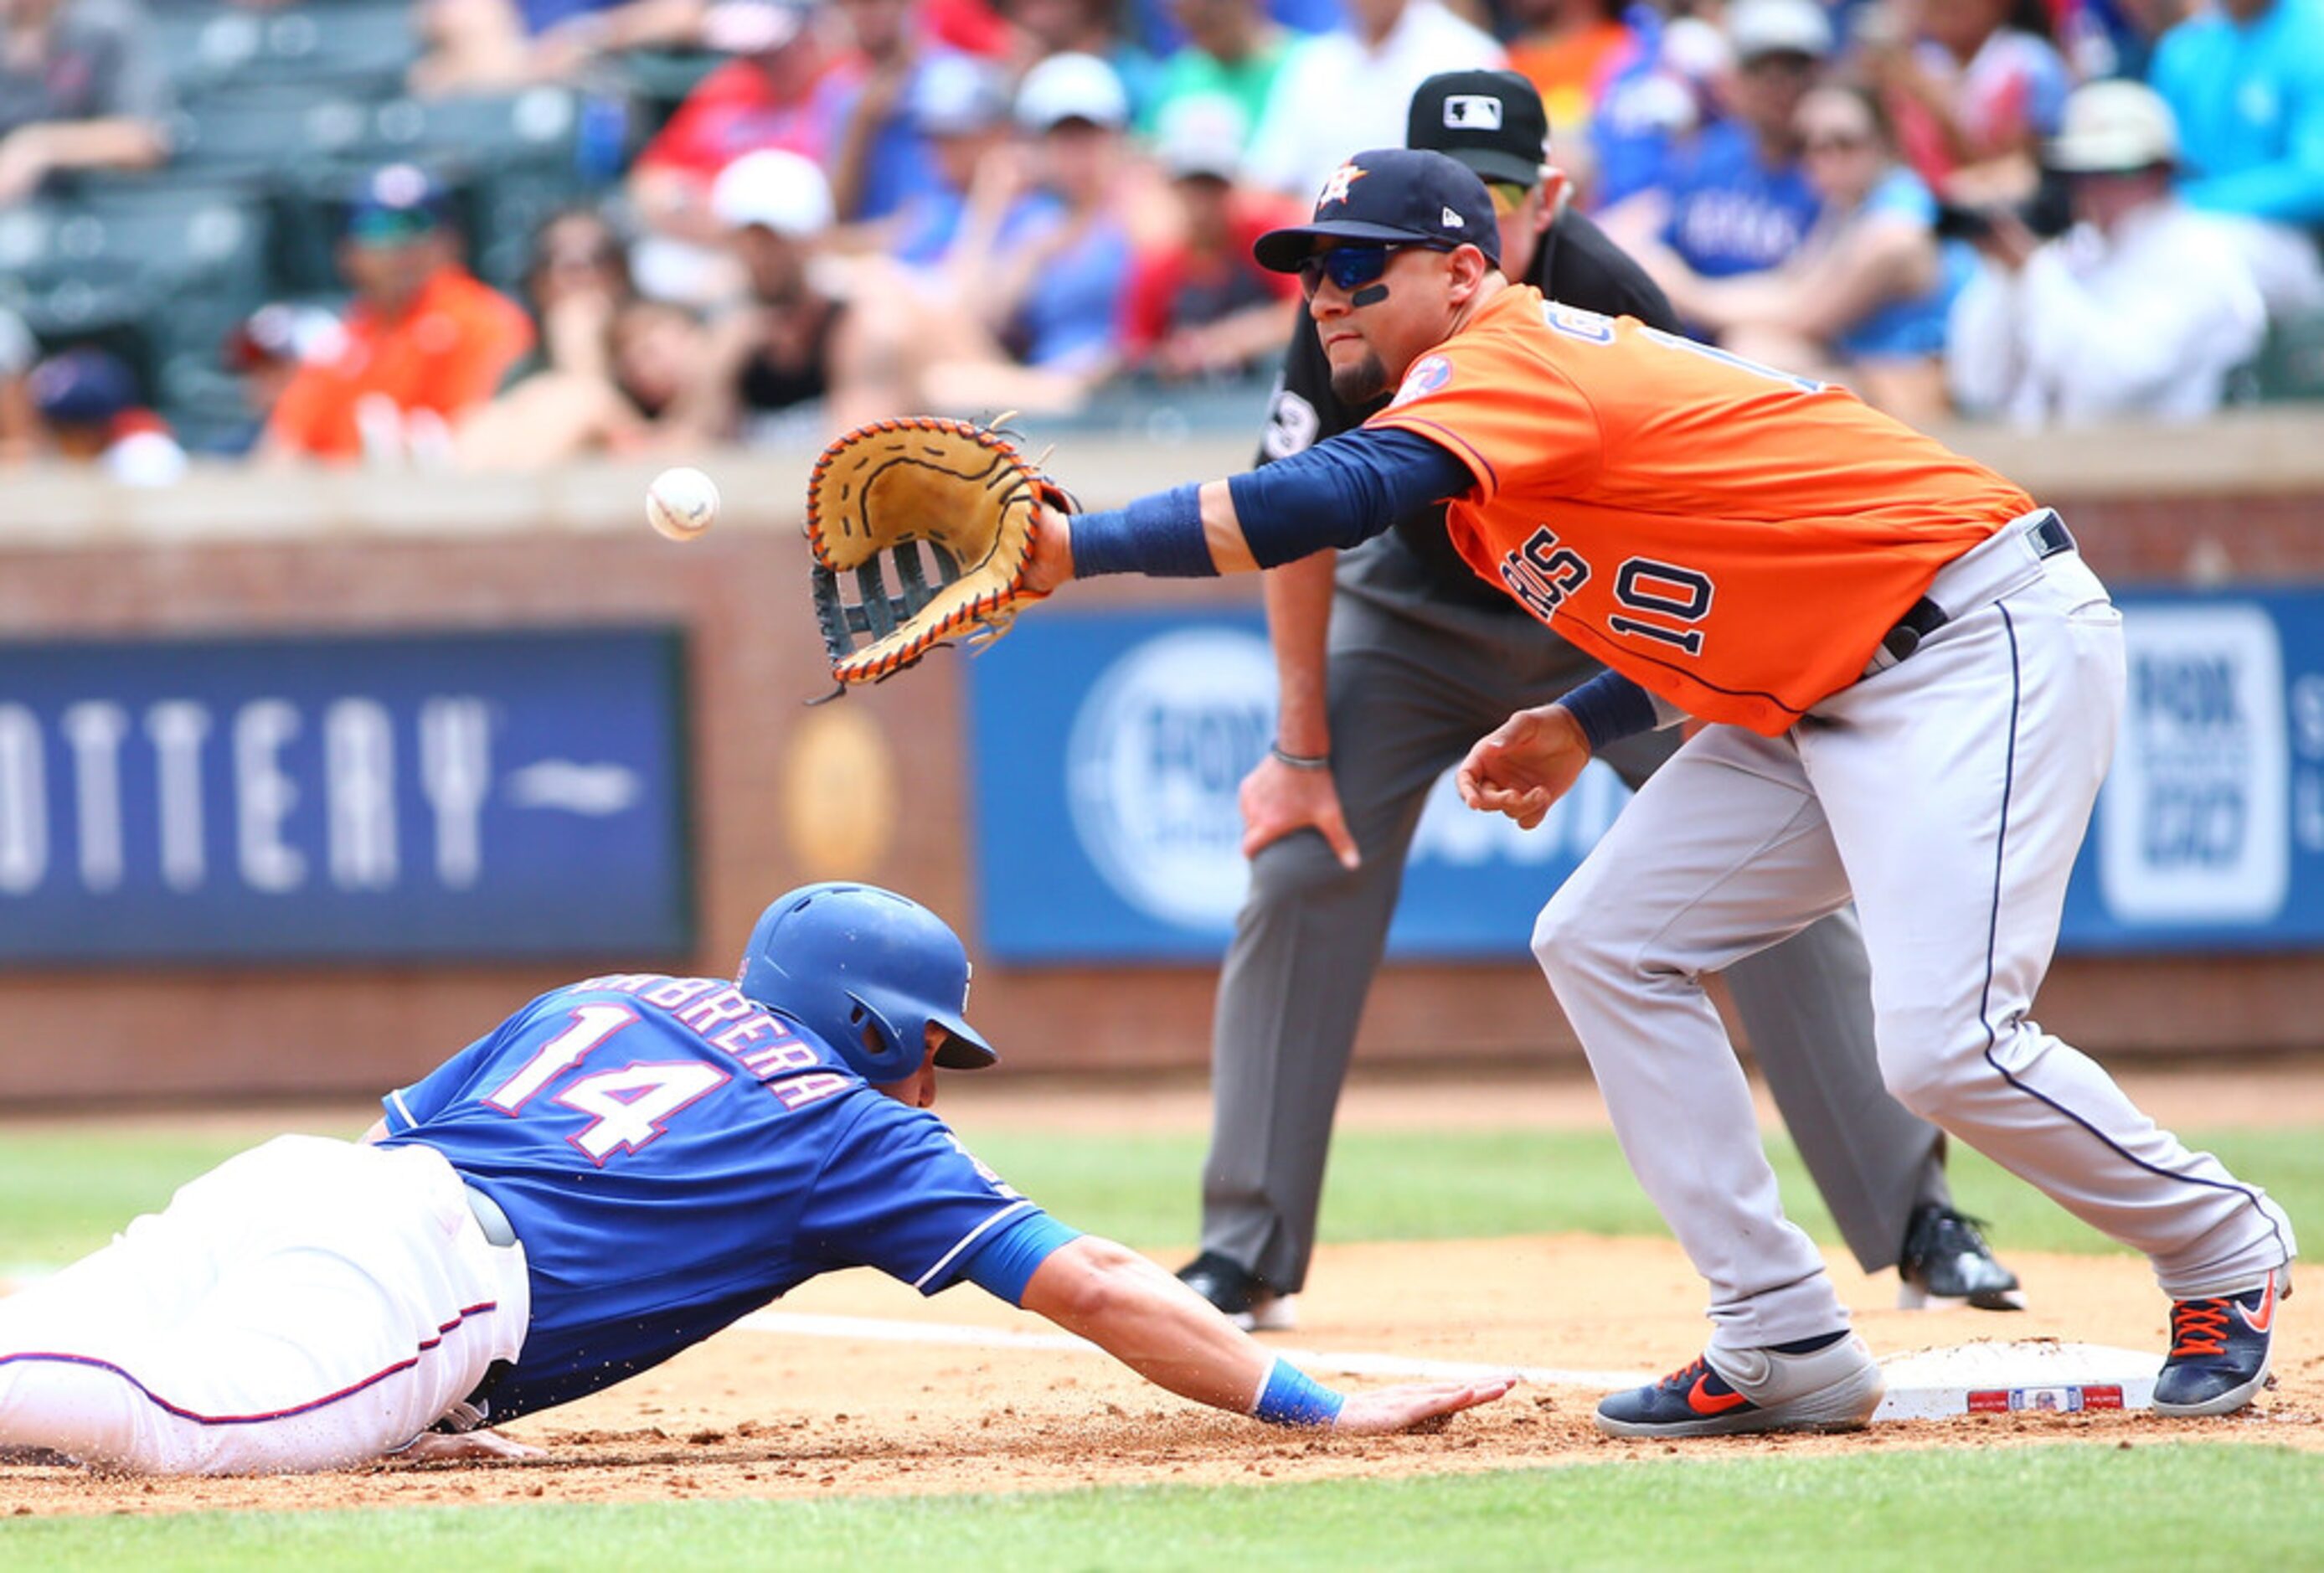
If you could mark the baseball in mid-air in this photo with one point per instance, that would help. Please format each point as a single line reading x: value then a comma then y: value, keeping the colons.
x: 682, y: 503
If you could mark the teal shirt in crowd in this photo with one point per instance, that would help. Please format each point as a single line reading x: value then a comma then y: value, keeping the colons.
x: 2249, y: 99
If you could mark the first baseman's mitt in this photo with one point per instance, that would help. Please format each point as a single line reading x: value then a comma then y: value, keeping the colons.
x: 949, y: 507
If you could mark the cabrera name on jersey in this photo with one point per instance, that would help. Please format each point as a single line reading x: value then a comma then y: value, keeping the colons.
x: 672, y: 1157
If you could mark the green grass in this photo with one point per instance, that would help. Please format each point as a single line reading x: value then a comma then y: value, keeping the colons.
x: 63, y: 1194
x: 1395, y: 1185
x: 2183, y: 1507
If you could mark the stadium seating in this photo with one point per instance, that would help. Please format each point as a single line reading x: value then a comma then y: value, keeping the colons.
x: 516, y: 158
x: 357, y: 47
x: 283, y: 113
x: 2291, y: 364
x: 155, y: 270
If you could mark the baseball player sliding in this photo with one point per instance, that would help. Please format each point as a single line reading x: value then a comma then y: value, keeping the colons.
x: 1913, y: 682
x: 1386, y: 678
x: 615, y: 1172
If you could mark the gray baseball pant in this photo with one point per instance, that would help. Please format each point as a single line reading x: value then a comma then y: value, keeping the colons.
x: 1413, y: 683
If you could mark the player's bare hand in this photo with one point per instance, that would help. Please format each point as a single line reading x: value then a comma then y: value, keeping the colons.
x: 1051, y: 563
x: 466, y: 1447
x: 1278, y: 799
x: 1416, y: 1405
x: 1523, y: 765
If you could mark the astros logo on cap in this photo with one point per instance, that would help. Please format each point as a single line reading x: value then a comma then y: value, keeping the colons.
x: 1335, y: 189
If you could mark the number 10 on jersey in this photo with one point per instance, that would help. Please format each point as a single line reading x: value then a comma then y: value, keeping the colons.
x: 1661, y: 601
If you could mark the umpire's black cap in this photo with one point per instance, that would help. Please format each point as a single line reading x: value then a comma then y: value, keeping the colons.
x: 1491, y: 121
x: 1400, y: 196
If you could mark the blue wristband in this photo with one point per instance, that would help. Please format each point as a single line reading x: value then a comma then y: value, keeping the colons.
x: 1291, y: 1397
x: 1610, y: 708
x: 1159, y: 535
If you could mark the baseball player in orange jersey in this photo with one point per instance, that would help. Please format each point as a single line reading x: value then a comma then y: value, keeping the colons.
x: 1914, y: 681
x: 1392, y: 659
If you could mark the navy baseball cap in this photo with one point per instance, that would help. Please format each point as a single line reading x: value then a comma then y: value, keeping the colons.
x: 1393, y: 195
x: 82, y: 387
x: 399, y: 203
x: 1491, y: 121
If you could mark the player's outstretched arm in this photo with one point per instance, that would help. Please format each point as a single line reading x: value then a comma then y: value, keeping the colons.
x: 1172, y: 1337
x: 1336, y: 494
x: 1192, y: 532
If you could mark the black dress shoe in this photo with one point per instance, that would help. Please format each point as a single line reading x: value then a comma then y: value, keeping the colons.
x: 1240, y: 1295
x: 1946, y: 1259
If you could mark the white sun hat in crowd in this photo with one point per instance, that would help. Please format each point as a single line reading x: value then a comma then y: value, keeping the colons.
x: 2114, y: 126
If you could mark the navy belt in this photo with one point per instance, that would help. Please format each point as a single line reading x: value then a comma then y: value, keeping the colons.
x: 2049, y: 536
x: 491, y: 1218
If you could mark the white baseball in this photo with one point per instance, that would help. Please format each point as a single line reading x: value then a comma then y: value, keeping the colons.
x: 681, y: 504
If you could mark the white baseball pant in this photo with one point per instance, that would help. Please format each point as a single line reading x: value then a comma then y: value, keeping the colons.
x: 1947, y: 795
x: 308, y: 1305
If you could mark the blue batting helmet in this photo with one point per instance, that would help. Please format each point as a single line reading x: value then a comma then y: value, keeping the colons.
x: 867, y: 971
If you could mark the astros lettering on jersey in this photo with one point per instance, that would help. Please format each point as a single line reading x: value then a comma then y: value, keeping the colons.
x: 1734, y: 538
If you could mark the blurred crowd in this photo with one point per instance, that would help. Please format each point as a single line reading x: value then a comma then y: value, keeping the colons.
x: 497, y: 234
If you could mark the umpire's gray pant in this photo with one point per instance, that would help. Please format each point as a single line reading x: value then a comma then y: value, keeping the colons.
x: 1413, y: 682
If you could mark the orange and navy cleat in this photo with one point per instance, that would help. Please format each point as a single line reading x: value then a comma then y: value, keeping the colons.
x: 1827, y: 1383
x: 2219, y: 1350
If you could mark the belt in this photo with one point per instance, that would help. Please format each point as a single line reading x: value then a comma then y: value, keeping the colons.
x: 2043, y: 533
x: 491, y: 1218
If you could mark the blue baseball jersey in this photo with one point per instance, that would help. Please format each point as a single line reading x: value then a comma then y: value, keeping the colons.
x: 672, y: 1157
x: 1732, y: 213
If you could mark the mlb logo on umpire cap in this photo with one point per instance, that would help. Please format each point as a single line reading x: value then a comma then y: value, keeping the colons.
x: 1491, y: 121
x: 1392, y: 196
x: 1473, y: 111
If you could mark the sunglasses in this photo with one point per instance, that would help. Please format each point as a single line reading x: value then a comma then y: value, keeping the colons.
x: 1352, y: 267
x: 1508, y: 196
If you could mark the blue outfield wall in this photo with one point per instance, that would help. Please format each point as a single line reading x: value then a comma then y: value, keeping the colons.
x: 1108, y: 747
x: 458, y: 797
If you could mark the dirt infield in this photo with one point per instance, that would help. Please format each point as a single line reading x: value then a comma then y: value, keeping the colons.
x: 757, y: 1413
x: 762, y: 1414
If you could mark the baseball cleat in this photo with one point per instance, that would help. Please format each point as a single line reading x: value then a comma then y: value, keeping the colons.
x: 1946, y: 1262
x: 2218, y: 1351
x: 1831, y: 1383
x: 1240, y: 1295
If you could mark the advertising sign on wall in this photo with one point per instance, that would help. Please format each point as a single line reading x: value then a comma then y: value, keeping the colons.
x: 1108, y: 751
x: 2209, y: 834
x: 1109, y: 748
x: 453, y: 796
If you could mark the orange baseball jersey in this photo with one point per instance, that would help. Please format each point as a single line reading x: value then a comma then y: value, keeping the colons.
x: 1734, y: 538
x: 446, y: 353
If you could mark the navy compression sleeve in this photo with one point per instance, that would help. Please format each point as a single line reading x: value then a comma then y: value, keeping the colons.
x: 1337, y: 493
x: 1342, y: 491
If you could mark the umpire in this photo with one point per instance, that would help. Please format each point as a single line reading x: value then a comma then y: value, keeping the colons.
x: 1392, y: 662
